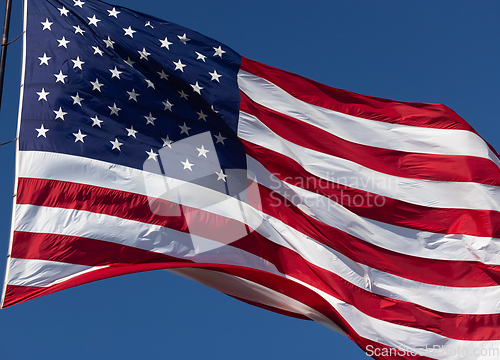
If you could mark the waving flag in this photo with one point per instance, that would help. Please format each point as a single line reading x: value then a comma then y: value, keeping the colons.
x: 144, y: 145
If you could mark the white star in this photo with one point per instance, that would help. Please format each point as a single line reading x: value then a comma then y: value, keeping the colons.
x: 46, y: 24
x: 129, y: 62
x: 45, y: 59
x: 131, y: 131
x: 78, y: 3
x: 187, y: 165
x: 77, y: 99
x: 79, y: 136
x: 168, y: 105
x: 167, y: 142
x: 218, y: 52
x: 149, y: 24
x: 115, y: 73
x: 63, y: 11
x: 179, y: 65
x: 116, y: 144
x: 215, y: 76
x: 197, y: 88
x: 202, y: 151
x: 185, y: 129
x: 152, y: 155
x: 113, y: 12
x: 42, y: 131
x: 96, y: 85
x: 63, y: 42
x: 144, y: 54
x: 165, y: 43
x: 60, y: 77
x: 93, y: 20
x: 220, y: 139
x: 202, y: 116
x: 132, y: 95
x: 163, y: 75
x: 221, y: 176
x: 150, y: 119
x: 77, y: 63
x: 129, y: 32
x: 42, y: 95
x: 97, y: 50
x: 183, y: 94
x: 183, y: 39
x: 96, y: 121
x: 59, y: 113
x: 109, y: 43
x: 114, y: 109
x: 150, y: 83
x: 200, y: 56
x: 78, y: 30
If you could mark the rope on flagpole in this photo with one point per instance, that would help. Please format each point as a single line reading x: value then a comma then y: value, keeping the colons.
x: 5, y: 42
x: 8, y: 142
x: 21, y: 34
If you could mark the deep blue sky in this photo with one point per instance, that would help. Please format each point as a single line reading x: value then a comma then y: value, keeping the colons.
x: 423, y: 51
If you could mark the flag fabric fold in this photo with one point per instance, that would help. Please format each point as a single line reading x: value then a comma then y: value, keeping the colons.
x: 144, y: 145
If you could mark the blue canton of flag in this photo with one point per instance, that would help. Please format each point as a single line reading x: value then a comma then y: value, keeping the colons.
x: 107, y: 83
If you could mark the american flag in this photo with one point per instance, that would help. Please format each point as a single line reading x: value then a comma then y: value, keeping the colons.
x: 145, y: 145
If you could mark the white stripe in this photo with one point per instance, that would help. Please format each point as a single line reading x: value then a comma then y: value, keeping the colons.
x: 437, y: 194
x: 249, y: 290
x: 362, y: 131
x: 440, y: 298
x: 63, y: 167
x: 42, y: 273
x: 402, y: 337
x: 394, y: 238
x: 37, y: 219
x: 100, y: 173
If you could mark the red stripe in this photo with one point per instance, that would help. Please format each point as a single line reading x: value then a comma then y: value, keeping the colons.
x: 368, y: 107
x: 483, y: 223
x: 52, y: 193
x: 126, y: 205
x: 477, y: 327
x: 392, y: 162
x: 430, y: 271
x: 80, y: 250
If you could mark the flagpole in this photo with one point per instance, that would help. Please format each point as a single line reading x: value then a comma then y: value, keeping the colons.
x: 5, y: 41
